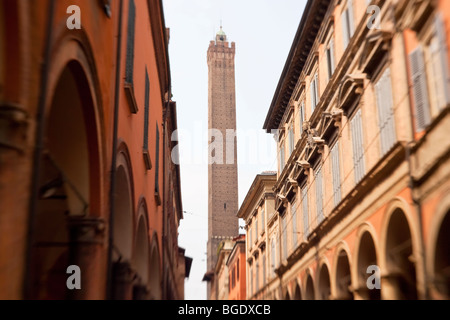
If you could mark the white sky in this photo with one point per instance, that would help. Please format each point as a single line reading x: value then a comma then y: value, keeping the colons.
x: 263, y: 31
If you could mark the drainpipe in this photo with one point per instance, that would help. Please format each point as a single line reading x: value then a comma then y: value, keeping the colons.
x: 39, y: 146
x: 112, y: 189
x: 418, y: 205
x: 164, y: 202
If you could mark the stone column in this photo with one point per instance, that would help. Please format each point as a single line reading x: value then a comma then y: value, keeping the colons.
x: 86, y: 236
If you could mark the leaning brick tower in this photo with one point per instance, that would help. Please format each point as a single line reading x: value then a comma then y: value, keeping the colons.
x: 222, y: 178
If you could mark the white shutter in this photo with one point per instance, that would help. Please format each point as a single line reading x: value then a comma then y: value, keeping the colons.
x: 386, y: 121
x: 332, y: 61
x: 336, y: 174
x: 263, y: 220
x: 358, y: 150
x: 440, y: 32
x: 313, y: 94
x: 421, y: 104
x: 316, y: 87
x: 305, y: 212
x: 345, y: 23
x: 291, y: 139
x: 351, y: 17
x: 302, y: 117
x: 319, y: 196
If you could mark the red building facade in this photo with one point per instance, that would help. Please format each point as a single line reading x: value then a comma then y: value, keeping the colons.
x: 83, y: 182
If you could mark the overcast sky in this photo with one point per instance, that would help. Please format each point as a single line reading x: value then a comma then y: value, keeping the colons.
x: 263, y: 31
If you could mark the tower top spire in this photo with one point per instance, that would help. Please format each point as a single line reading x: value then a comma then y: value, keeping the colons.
x: 221, y: 35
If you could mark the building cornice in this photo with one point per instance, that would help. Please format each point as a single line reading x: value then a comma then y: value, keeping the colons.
x: 305, y: 37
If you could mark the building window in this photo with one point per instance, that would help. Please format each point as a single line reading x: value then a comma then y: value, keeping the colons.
x: 386, y: 120
x: 358, y: 149
x: 302, y: 117
x: 319, y: 195
x: 348, y: 27
x: 255, y: 224
x: 263, y: 220
x: 129, y: 67
x: 330, y: 58
x: 238, y: 267
x: 250, y: 231
x: 284, y: 235
x: 438, y: 65
x: 157, y: 160
x: 257, y: 277
x: 294, y: 224
x: 314, y: 92
x: 264, y: 268
x: 282, y: 157
x: 305, y: 210
x: 291, y: 139
x: 421, y: 105
x: 250, y: 275
x: 147, y: 109
x: 336, y: 168
x: 273, y: 257
x: 430, y: 75
x: 233, y: 278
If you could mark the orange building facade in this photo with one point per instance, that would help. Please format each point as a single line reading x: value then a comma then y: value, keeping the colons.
x: 85, y: 119
x: 362, y: 119
x: 237, y: 270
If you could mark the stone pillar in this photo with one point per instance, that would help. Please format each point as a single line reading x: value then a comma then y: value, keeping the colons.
x: 122, y: 281
x: 391, y: 287
x: 86, y: 236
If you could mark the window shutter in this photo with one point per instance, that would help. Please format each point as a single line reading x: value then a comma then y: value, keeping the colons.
x: 336, y: 174
x: 345, y: 24
x: 385, y: 112
x: 157, y: 160
x: 129, y: 66
x: 251, y: 281
x: 250, y: 231
x: 302, y: 117
x: 305, y: 213
x: 263, y: 268
x: 319, y: 196
x: 146, y: 109
x: 440, y: 31
x: 257, y: 277
x: 332, y: 61
x: 263, y: 220
x: 294, y: 224
x: 316, y: 88
x: 291, y: 139
x: 273, y: 257
x: 421, y: 104
x: 313, y: 95
x: 358, y: 151
x: 351, y: 17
